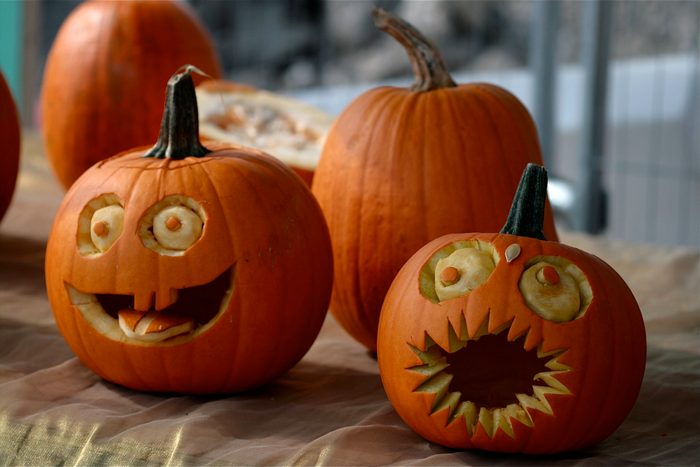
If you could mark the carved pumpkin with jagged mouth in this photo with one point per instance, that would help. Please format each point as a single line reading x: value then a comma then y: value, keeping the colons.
x: 189, y: 269
x: 508, y: 342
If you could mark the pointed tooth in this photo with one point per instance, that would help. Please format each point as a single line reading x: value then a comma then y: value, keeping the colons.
x: 431, y: 356
x: 437, y: 385
x: 502, y: 327
x: 429, y: 370
x: 483, y: 328
x: 556, y: 365
x: 463, y: 332
x: 486, y: 421
x: 529, y: 402
x: 541, y: 391
x: 518, y: 327
x: 450, y: 402
x: 517, y: 412
x: 552, y: 353
x: 455, y: 342
x: 502, y: 420
x: 467, y: 409
x: 548, y: 377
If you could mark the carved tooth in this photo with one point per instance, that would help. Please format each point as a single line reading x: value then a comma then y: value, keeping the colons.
x: 555, y: 365
x: 432, y: 356
x: 455, y: 342
x: 450, y: 402
x: 529, y: 402
x: 483, y: 328
x: 486, y: 421
x: 502, y: 420
x: 429, y: 369
x: 540, y: 392
x: 438, y: 385
x: 548, y: 377
x: 467, y: 409
x: 517, y: 412
x: 463, y: 332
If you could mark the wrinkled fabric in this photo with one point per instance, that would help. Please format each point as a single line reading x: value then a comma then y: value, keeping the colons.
x: 330, y: 409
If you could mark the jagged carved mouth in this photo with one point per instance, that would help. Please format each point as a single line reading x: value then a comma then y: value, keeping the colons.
x: 489, y: 380
x: 193, y: 310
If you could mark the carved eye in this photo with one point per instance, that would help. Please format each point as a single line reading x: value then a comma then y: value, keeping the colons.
x: 461, y: 272
x: 555, y: 289
x: 100, y: 224
x: 172, y: 225
x: 177, y: 227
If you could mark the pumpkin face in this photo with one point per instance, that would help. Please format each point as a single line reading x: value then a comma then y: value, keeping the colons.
x: 190, y: 274
x: 401, y: 167
x: 102, y: 91
x: 509, y: 343
x: 10, y: 138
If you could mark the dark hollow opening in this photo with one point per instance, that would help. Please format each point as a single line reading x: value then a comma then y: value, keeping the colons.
x: 201, y: 303
x: 490, y: 371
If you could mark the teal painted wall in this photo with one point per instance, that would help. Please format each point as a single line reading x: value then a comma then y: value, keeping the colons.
x: 11, y: 22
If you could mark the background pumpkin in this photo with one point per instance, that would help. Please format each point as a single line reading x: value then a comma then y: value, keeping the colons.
x: 102, y: 90
x: 252, y: 285
x: 490, y: 368
x: 10, y: 139
x: 291, y: 130
x: 403, y: 166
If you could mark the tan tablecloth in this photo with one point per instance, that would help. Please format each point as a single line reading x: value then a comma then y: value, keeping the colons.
x: 330, y: 409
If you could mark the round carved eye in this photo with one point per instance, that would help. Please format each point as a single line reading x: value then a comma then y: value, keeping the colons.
x: 555, y: 289
x: 172, y: 225
x: 461, y: 272
x: 100, y: 224
x: 177, y: 227
x: 105, y: 226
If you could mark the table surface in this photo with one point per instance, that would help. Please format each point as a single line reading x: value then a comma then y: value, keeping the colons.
x: 329, y: 409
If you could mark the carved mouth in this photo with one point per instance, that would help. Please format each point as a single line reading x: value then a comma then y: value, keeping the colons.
x: 192, y: 312
x: 489, y: 380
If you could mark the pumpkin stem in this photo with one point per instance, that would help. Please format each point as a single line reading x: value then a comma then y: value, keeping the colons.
x: 179, y: 129
x: 428, y: 67
x: 526, y: 216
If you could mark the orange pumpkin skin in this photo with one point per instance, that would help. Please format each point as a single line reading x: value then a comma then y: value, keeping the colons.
x: 402, y: 167
x: 10, y: 138
x: 261, y: 219
x: 103, y: 81
x: 604, y: 349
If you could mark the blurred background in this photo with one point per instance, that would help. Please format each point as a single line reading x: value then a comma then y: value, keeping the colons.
x: 613, y: 85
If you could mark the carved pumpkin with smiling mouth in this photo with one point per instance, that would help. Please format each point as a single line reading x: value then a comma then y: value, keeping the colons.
x: 508, y: 342
x: 189, y: 269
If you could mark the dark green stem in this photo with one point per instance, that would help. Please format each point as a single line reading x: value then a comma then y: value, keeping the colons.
x: 179, y: 129
x: 428, y: 67
x: 526, y: 216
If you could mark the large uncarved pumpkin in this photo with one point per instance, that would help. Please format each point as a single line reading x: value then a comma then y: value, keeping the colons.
x: 10, y: 142
x: 401, y: 167
x: 103, y: 82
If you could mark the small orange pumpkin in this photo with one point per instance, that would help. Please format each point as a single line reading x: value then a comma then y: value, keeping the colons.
x: 10, y: 138
x: 189, y: 269
x: 508, y: 342
x: 102, y: 91
x: 401, y: 167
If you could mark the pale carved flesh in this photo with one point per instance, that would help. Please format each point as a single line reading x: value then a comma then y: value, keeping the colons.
x: 488, y: 379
